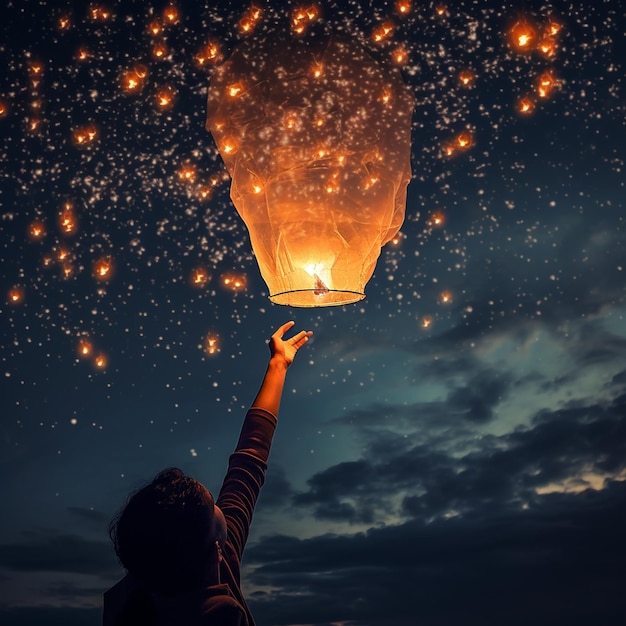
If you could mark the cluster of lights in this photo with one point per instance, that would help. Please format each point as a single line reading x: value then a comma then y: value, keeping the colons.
x: 234, y: 282
x: 525, y: 37
x: 99, y: 13
x: 84, y: 135
x: 461, y: 142
x: 85, y: 350
x: 303, y: 17
x: 250, y: 20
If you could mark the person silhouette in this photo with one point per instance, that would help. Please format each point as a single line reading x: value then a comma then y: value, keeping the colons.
x: 181, y: 548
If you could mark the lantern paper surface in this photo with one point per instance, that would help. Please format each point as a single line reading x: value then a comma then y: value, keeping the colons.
x: 316, y: 137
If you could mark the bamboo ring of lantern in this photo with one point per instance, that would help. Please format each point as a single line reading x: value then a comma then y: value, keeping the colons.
x: 317, y: 139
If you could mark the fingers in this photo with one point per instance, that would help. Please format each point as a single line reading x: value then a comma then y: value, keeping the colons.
x: 283, y: 329
x: 297, y: 341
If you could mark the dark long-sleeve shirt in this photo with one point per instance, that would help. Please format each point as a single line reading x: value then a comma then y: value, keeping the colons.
x: 237, y: 499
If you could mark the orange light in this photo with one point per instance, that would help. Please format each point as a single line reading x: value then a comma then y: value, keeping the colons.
x: 4, y: 108
x: 436, y: 219
x: 209, y: 54
x: 199, y: 277
x: 154, y: 27
x: 317, y: 69
x: 522, y: 35
x: 403, y: 7
x: 466, y: 78
x: 82, y: 54
x: 547, y: 47
x: 15, y: 295
x: 229, y: 145
x: 165, y: 98
x: 99, y: 13
x: 302, y: 17
x: 131, y: 82
x: 187, y: 173
x: 448, y: 148
x: 171, y: 14
x: 553, y: 27
x: 62, y: 254
x: 525, y: 105
x: 64, y: 22
x: 84, y: 135
x: 445, y: 297
x: 211, y: 344
x: 204, y: 192
x: 159, y: 51
x: 235, y: 89
x: 67, y: 220
x: 382, y: 32
x: 67, y: 269
x: 441, y: 10
x: 100, y: 361
x: 234, y: 282
x: 464, y: 140
x: 546, y: 83
x: 103, y: 268
x: 36, y: 230
x: 84, y: 348
x: 400, y: 55
x: 35, y: 68
x: 426, y: 322
x: 250, y: 20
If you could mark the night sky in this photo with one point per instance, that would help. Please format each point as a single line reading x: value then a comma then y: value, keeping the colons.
x: 452, y: 448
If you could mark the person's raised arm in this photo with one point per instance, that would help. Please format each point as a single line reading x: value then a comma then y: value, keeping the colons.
x: 282, y: 354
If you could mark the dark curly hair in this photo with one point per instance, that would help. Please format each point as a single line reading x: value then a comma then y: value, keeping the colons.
x: 162, y: 536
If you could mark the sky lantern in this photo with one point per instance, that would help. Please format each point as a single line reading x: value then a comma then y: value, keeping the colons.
x: 522, y: 36
x: 526, y: 105
x: 15, y: 295
x: 103, y: 268
x: 36, y: 230
x: 320, y: 161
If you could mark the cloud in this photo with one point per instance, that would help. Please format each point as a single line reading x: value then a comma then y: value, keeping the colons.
x: 50, y: 616
x: 561, y: 561
x: 54, y: 551
x: 574, y: 448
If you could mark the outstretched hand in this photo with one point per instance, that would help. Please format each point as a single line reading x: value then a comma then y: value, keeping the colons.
x: 285, y: 349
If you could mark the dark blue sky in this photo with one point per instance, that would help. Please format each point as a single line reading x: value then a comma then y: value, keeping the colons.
x: 438, y: 458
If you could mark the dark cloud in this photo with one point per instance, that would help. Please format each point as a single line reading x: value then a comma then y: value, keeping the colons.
x: 492, y: 472
x: 561, y: 561
x: 50, y: 616
x: 54, y: 551
x: 476, y: 399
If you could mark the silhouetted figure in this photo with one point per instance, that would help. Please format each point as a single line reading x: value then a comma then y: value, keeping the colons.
x: 182, y: 552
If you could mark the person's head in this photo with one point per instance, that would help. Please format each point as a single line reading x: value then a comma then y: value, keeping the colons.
x: 166, y: 534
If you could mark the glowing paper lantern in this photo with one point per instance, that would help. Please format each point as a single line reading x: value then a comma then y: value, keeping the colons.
x: 317, y: 138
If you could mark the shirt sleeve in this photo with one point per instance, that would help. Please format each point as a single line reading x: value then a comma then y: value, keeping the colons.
x: 246, y: 475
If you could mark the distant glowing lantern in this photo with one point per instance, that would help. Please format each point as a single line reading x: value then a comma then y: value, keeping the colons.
x: 84, y: 348
x: 36, y: 230
x: 103, y: 268
x: 522, y: 35
x: 15, y: 295
x: 466, y: 78
x: 525, y: 105
x: 321, y: 163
